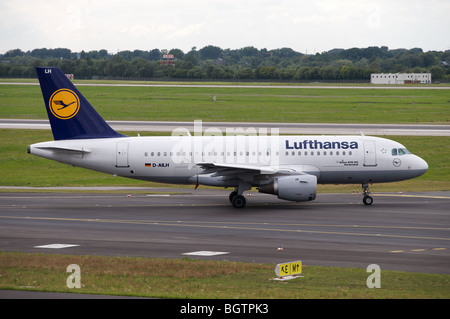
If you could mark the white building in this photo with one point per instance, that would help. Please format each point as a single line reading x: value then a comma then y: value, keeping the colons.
x: 400, y: 78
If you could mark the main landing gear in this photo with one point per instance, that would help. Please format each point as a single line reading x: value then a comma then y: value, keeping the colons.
x: 367, y: 200
x: 238, y: 201
x: 236, y: 198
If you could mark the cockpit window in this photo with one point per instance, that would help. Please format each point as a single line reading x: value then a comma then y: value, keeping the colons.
x: 400, y: 151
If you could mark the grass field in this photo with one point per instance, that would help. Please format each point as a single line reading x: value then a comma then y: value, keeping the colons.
x: 307, y: 105
x: 193, y: 279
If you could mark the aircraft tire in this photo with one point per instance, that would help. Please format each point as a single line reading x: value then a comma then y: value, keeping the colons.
x: 232, y: 194
x: 238, y: 201
x: 367, y: 200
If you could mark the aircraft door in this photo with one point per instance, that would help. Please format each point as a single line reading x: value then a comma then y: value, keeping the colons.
x: 370, y: 157
x: 122, y: 155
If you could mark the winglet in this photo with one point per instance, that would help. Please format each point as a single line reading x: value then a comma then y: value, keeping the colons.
x: 71, y: 116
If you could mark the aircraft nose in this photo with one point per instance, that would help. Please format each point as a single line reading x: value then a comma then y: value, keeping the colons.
x: 420, y: 166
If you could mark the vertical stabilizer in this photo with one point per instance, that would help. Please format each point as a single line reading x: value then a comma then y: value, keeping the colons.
x: 71, y: 116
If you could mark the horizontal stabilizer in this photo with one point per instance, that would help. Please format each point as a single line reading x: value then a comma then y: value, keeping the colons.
x: 65, y: 149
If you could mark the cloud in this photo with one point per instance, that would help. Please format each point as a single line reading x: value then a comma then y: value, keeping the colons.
x: 321, y: 24
x: 189, y: 30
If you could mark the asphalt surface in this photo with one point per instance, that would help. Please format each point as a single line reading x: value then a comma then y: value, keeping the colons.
x: 405, y: 232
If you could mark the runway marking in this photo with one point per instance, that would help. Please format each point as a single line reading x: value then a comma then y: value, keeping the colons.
x: 219, y: 225
x: 56, y: 246
x: 417, y: 250
x: 205, y: 253
x: 411, y: 195
x: 224, y: 224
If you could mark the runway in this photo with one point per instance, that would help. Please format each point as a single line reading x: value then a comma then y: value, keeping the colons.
x: 258, y: 128
x: 404, y: 232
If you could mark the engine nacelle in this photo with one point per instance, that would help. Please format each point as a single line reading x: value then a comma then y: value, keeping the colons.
x: 295, y: 188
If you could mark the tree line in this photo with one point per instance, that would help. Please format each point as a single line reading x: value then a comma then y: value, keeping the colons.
x: 244, y: 64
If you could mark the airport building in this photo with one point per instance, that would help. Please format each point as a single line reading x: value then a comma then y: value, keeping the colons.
x: 400, y: 78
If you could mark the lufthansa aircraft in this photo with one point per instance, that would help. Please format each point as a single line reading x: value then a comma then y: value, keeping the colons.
x: 287, y: 166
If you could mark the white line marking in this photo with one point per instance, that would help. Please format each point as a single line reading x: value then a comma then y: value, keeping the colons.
x: 206, y: 253
x: 56, y: 246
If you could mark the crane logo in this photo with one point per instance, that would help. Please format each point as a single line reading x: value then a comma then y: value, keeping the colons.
x: 64, y: 104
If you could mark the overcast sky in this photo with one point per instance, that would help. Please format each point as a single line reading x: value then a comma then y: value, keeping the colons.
x: 305, y: 26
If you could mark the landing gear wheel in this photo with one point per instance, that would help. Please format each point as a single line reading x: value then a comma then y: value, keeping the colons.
x: 232, y: 194
x: 238, y: 201
x: 367, y: 200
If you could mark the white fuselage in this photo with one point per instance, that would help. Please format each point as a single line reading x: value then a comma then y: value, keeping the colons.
x: 177, y: 159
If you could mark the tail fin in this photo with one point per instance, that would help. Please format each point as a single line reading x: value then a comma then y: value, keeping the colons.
x: 70, y: 114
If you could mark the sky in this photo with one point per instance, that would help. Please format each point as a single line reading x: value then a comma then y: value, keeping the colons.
x: 305, y: 26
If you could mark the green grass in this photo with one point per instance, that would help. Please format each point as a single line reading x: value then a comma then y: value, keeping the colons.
x: 195, y: 279
x: 307, y: 105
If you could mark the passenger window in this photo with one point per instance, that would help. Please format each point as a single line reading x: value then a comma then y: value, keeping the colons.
x: 394, y: 152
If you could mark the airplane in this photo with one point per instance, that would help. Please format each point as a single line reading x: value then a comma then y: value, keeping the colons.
x: 289, y: 167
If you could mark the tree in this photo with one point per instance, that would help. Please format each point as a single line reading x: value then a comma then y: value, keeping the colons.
x: 437, y: 72
x: 266, y: 73
x: 244, y: 74
x: 210, y: 52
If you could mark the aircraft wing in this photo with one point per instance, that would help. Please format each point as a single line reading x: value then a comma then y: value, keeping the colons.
x: 248, y: 172
x: 228, y: 169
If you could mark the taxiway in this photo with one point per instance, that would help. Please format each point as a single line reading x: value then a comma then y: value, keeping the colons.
x: 404, y: 232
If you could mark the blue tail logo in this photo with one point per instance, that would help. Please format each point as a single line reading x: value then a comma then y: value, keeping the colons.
x: 71, y: 116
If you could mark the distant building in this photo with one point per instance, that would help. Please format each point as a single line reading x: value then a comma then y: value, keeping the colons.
x: 168, y: 59
x: 400, y: 78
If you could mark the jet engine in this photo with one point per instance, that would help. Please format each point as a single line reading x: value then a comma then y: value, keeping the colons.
x: 295, y: 188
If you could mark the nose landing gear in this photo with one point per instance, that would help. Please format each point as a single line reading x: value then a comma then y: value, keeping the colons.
x: 367, y: 200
